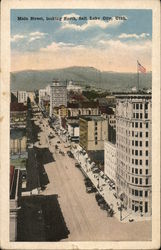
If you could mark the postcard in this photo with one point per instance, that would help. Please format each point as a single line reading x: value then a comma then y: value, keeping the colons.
x: 80, y: 124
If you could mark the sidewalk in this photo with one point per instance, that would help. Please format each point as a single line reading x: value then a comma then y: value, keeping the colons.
x: 104, y: 189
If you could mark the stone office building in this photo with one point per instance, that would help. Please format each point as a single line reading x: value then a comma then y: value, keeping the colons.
x: 133, y: 151
x: 58, y: 95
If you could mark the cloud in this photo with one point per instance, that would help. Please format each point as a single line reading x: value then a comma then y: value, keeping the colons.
x: 113, y: 22
x: 56, y: 46
x: 143, y: 35
x: 36, y: 35
x: 101, y: 55
x: 17, y: 37
x: 31, y: 36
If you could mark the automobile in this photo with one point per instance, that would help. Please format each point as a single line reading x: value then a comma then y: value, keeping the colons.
x: 96, y: 171
x: 89, y: 189
x: 69, y: 153
x: 77, y: 165
x: 115, y: 195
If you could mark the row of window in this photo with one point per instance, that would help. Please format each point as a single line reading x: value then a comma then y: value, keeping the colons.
x: 140, y: 115
x: 139, y: 181
x: 139, y: 124
x: 137, y: 152
x: 139, y: 171
x: 139, y: 162
x: 137, y: 143
x: 140, y: 105
x: 139, y: 193
x: 136, y: 134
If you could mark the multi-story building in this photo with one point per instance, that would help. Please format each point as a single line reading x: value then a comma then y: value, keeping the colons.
x: 58, y: 95
x: 22, y: 97
x: 18, y: 114
x: 133, y: 151
x: 31, y: 95
x: 42, y: 94
x: 83, y: 108
x: 110, y: 160
x: 93, y: 132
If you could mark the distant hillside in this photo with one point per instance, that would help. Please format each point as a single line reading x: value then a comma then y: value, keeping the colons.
x: 36, y: 79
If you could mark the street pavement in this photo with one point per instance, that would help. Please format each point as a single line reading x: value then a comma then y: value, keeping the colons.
x: 83, y: 217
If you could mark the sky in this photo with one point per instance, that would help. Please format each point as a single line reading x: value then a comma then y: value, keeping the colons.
x: 109, y: 40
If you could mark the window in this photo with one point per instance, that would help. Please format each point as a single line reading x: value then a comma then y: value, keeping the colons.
x: 133, y: 105
x: 136, y: 192
x: 146, y: 105
x: 146, y: 163
x: 141, y: 193
x: 146, y: 134
x: 141, y: 106
x: 132, y: 133
x: 140, y: 124
x: 133, y: 115
x: 136, y: 161
x: 136, y: 152
x: 146, y: 125
x: 132, y: 179
x: 141, y: 115
x: 137, y: 106
x: 146, y: 171
x: 146, y: 207
x: 132, y: 152
x: 140, y: 181
x: 137, y: 115
x: 146, y: 152
x: 146, y: 193
x: 136, y: 124
x: 132, y: 170
x: 133, y: 124
x: 132, y: 143
x: 141, y: 143
x: 136, y: 180
x: 140, y: 152
x: 136, y: 171
x: 141, y: 134
x: 136, y: 143
x: 146, y: 181
x: 146, y: 143
x: 132, y: 191
x: 146, y: 115
x: 140, y: 171
x: 132, y: 161
x: 140, y: 162
x: 96, y: 142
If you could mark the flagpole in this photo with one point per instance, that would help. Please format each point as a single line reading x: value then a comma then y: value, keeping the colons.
x: 137, y: 76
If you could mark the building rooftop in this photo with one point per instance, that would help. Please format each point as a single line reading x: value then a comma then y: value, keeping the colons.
x: 83, y: 105
x: 92, y: 118
x: 14, y: 106
x: 133, y: 95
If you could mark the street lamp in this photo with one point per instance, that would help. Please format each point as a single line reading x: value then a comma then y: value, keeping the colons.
x: 98, y: 182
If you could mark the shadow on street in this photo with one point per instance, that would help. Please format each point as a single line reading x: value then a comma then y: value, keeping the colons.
x: 40, y: 219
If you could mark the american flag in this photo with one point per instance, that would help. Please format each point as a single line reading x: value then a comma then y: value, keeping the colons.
x: 141, y: 68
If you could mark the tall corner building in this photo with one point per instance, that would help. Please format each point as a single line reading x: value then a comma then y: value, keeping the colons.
x: 58, y: 95
x: 133, y: 151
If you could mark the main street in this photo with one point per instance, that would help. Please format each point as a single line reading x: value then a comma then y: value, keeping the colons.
x: 83, y: 217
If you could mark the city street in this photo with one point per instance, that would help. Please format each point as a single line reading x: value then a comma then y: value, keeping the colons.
x: 83, y: 217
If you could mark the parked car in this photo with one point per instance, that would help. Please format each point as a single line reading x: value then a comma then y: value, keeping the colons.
x: 77, y: 165
x: 69, y: 153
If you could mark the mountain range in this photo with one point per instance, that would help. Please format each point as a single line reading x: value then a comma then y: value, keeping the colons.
x: 30, y: 80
